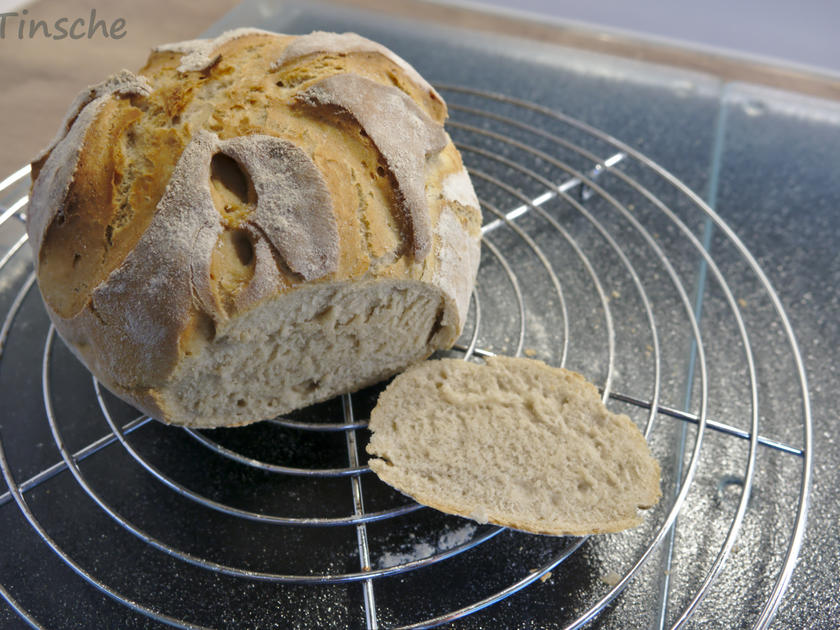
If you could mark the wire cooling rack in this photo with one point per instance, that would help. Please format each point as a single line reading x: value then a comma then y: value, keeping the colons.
x: 595, y: 258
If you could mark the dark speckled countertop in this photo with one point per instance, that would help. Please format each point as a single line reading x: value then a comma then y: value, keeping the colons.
x: 765, y: 159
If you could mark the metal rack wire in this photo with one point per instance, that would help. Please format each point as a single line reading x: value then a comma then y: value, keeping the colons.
x: 580, y: 197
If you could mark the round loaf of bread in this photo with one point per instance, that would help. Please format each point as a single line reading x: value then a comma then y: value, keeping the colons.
x: 254, y: 223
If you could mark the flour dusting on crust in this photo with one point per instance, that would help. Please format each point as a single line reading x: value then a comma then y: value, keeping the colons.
x: 122, y: 83
x: 459, y: 255
x: 294, y: 207
x: 402, y: 133
x: 342, y: 43
x: 145, y: 302
x: 458, y: 187
x: 56, y: 176
x: 199, y: 54
x: 152, y: 297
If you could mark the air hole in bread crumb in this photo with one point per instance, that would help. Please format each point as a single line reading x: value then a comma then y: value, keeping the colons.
x: 380, y: 171
x: 76, y: 258
x: 326, y: 315
x: 280, y: 84
x: 241, y: 402
x: 306, y: 387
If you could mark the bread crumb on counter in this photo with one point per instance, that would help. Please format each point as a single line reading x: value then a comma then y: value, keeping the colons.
x: 611, y: 578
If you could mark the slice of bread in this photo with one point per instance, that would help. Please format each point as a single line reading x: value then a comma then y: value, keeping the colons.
x: 514, y: 442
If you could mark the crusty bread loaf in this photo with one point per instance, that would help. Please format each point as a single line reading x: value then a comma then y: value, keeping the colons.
x: 254, y: 223
x: 514, y: 442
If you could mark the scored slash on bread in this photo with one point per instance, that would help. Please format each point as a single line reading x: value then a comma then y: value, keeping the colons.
x: 513, y: 442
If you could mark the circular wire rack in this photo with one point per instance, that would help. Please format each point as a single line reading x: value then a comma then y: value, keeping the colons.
x: 594, y: 258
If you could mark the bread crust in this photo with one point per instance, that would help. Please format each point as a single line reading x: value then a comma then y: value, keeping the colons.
x: 147, y: 244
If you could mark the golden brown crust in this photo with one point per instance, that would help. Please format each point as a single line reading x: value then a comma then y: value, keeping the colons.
x: 112, y: 245
x: 328, y: 46
x: 402, y: 133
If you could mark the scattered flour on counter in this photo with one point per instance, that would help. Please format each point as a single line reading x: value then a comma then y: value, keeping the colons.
x: 414, y: 552
x: 424, y: 548
x: 456, y: 537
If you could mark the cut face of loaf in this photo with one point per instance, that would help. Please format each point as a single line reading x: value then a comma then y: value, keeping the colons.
x: 318, y: 342
x: 254, y: 223
x: 513, y: 442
